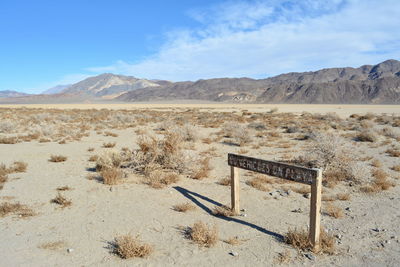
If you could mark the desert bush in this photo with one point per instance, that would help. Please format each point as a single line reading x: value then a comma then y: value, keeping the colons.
x: 225, y: 181
x: 109, y: 145
x: 111, y: 176
x: 127, y: 246
x: 8, y: 140
x: 201, y: 170
x: 21, y: 210
x: 330, y: 153
x: 159, y: 179
x: 380, y: 182
x: 57, y: 158
x: 299, y: 239
x: 109, y: 160
x: 223, y: 211
x: 18, y: 166
x: 234, y: 241
x: 202, y: 234
x: 393, y: 152
x: 187, y: 132
x: 61, y: 200
x: 333, y: 211
x: 376, y: 163
x: 184, y: 207
x: 241, y: 135
x: 7, y: 127
x: 367, y: 135
x: 396, y: 168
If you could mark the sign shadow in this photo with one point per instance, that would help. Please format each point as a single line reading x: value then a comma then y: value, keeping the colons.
x: 192, y: 196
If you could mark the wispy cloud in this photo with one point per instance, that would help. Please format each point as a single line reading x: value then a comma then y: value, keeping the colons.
x: 65, y: 80
x: 264, y: 38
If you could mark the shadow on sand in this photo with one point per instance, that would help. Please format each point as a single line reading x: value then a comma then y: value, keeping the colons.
x: 192, y: 196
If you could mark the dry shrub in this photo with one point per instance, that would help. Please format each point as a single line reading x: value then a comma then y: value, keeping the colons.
x: 260, y: 182
x: 21, y: 210
x: 302, y: 190
x: 207, y: 140
x: 333, y: 211
x: 225, y: 181
x: 223, y: 211
x: 8, y: 140
x: 202, y: 234
x: 159, y: 179
x: 234, y: 241
x: 90, y: 149
x: 93, y: 158
x: 299, y: 239
x: 376, y: 163
x: 343, y: 196
x: 396, y: 168
x: 380, y: 182
x: 329, y: 153
x: 203, y: 169
x: 53, y: 245
x: 18, y: 166
x: 284, y: 257
x: 367, y: 135
x: 184, y: 207
x: 393, y: 152
x: 109, y: 160
x: 111, y: 176
x: 57, y: 158
x: 61, y: 200
x: 187, y: 132
x: 110, y: 134
x: 64, y: 188
x: 127, y: 246
x: 109, y: 145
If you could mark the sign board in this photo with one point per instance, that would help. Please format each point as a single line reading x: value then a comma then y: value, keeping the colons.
x: 312, y: 177
x: 272, y: 168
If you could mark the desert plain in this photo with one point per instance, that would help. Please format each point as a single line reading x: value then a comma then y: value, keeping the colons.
x: 149, y: 185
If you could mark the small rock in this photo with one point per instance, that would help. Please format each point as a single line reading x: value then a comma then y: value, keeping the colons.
x: 387, y: 241
x: 289, y: 192
x: 299, y: 210
x: 243, y: 215
x: 111, y: 189
x: 234, y: 253
x: 339, y: 236
x: 70, y: 250
x: 376, y: 230
x: 393, y: 237
x: 348, y: 209
x: 244, y: 210
x: 308, y: 195
x: 310, y: 256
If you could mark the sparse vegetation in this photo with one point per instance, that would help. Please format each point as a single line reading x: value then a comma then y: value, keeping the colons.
x: 21, y: 210
x: 299, y: 240
x: 61, y: 200
x: 127, y: 246
x: 223, y: 211
x: 202, y: 234
x: 111, y: 176
x: 184, y: 207
x: 57, y: 158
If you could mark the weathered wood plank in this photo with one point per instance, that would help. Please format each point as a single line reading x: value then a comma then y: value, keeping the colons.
x: 315, y: 211
x: 272, y: 168
x: 235, y: 190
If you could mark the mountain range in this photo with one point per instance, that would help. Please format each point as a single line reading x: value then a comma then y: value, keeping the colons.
x: 368, y: 84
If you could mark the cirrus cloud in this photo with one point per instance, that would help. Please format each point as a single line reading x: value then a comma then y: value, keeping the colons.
x: 264, y: 38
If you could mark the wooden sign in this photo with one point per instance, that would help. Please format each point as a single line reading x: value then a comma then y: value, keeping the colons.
x: 272, y: 168
x: 303, y: 175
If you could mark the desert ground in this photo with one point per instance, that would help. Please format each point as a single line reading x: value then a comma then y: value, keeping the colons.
x: 149, y: 185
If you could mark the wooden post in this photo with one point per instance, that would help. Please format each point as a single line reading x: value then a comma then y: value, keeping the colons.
x: 235, y: 190
x: 315, y: 211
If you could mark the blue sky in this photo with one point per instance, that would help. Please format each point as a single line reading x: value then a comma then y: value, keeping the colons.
x: 46, y: 43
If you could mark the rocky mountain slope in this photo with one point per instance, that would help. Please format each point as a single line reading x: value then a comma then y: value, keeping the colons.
x: 378, y: 84
x: 9, y: 93
x: 108, y: 85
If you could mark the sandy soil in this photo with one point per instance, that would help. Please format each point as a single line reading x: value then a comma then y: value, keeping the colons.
x: 368, y: 234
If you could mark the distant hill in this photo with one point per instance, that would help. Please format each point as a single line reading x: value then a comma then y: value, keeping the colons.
x: 109, y: 86
x: 56, y: 89
x: 368, y: 84
x: 372, y: 84
x: 9, y: 93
